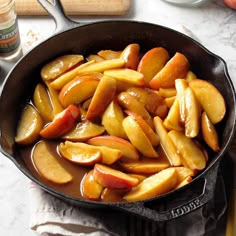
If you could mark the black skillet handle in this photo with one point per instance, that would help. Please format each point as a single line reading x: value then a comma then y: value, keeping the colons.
x: 56, y: 10
x: 147, y: 212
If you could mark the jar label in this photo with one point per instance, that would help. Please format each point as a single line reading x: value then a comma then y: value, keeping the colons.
x: 9, y: 39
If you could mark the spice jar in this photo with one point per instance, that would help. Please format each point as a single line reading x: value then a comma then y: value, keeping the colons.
x: 9, y: 32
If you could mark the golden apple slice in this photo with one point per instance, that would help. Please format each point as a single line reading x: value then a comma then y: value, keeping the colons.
x: 152, y: 62
x: 187, y: 180
x: 48, y: 166
x: 148, y: 131
x: 138, y: 138
x: 62, y: 123
x: 83, y: 131
x: 112, y: 120
x: 113, y: 195
x: 172, y: 120
x: 138, y: 176
x: 153, y: 186
x: 127, y: 75
x: 78, y: 90
x: 192, y: 113
x: 210, y: 99
x: 90, y: 188
x: 103, y: 95
x: 130, y: 103
x: 80, y: 153
x: 166, y: 143
x: 112, y: 178
x: 42, y: 102
x: 176, y: 67
x: 131, y: 56
x: 128, y: 150
x: 109, y: 54
x: 60, y: 65
x: 145, y: 167
x: 169, y: 102
x: 190, y: 76
x: 94, y: 57
x: 29, y: 126
x: 167, y: 92
x: 183, y: 172
x: 109, y: 155
x: 192, y: 155
x: 154, y: 103
x: 209, y: 133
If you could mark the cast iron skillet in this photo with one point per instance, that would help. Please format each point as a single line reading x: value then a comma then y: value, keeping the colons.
x: 84, y: 39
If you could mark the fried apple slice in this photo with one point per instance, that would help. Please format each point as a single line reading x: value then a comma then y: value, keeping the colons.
x: 94, y: 57
x: 138, y: 138
x: 209, y: 133
x: 90, y: 188
x: 152, y: 62
x: 210, y: 98
x: 187, y: 180
x: 48, y: 166
x: 153, y: 186
x: 192, y: 155
x: 29, y: 126
x: 109, y: 54
x: 113, y: 195
x: 112, y: 178
x: 183, y: 172
x: 80, y: 153
x: 176, y: 67
x: 166, y: 143
x: 103, y: 95
x: 167, y: 92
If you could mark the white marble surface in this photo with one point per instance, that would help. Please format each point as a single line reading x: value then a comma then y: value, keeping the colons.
x: 212, y: 23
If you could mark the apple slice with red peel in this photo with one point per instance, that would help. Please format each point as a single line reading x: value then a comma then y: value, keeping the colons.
x: 147, y: 167
x: 128, y: 150
x: 83, y: 131
x: 166, y: 143
x: 138, y: 137
x: 29, y: 126
x: 62, y: 123
x: 153, y: 186
x: 131, y: 56
x: 59, y: 66
x: 210, y: 98
x: 80, y: 153
x: 176, y: 67
x: 78, y: 90
x: 127, y: 75
x: 112, y: 178
x: 192, y: 155
x: 209, y: 133
x: 90, y: 188
x: 154, y: 103
x: 48, y: 166
x: 112, y: 120
x: 103, y: 95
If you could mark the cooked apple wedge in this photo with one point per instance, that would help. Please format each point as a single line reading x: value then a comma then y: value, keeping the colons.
x: 169, y: 102
x: 166, y: 143
x: 83, y: 131
x: 153, y: 186
x: 176, y: 67
x: 167, y: 92
x: 210, y: 99
x: 187, y: 180
x: 103, y: 95
x: 145, y: 167
x: 112, y: 178
x: 138, y: 137
x: 131, y: 56
x: 192, y: 155
x: 109, y: 155
x: 183, y: 173
x: 192, y: 113
x: 80, y: 153
x: 190, y: 76
x: 60, y: 65
x: 29, y: 126
x: 209, y: 133
x: 112, y: 120
x: 42, y: 102
x: 127, y: 75
x: 109, y: 54
x: 90, y: 188
x: 113, y: 195
x: 152, y: 62
x: 78, y: 90
x: 62, y: 123
x: 130, y: 103
x: 48, y: 165
x: 154, y: 103
x: 128, y: 150
x: 94, y: 57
